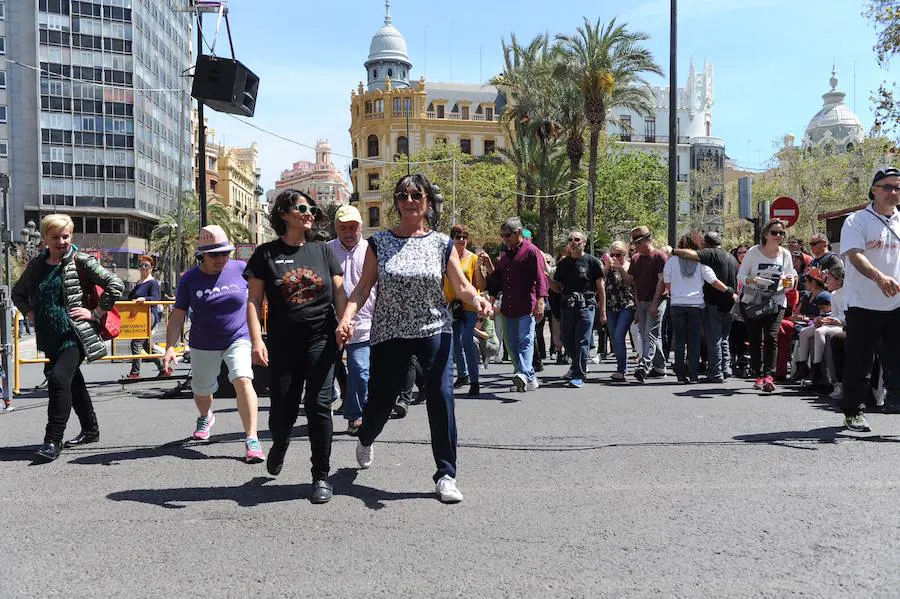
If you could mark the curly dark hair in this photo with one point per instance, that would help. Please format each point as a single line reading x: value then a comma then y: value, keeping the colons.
x: 690, y: 241
x: 282, y: 205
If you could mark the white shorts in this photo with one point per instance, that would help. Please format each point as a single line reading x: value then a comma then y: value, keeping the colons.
x: 206, y: 364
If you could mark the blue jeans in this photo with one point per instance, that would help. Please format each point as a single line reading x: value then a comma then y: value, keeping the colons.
x: 357, y: 380
x: 520, y: 337
x: 717, y: 326
x: 464, y: 342
x: 577, y: 328
x: 686, y: 324
x: 390, y: 366
x: 618, y: 324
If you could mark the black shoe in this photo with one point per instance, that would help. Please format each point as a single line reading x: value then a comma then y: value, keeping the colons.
x: 82, y: 439
x: 639, y: 375
x: 712, y: 380
x: 322, y: 492
x: 419, y: 398
x: 538, y: 366
x: 48, y: 452
x: 801, y: 372
x: 561, y: 359
x: 461, y: 381
x: 474, y: 390
x: 401, y: 408
x: 275, y: 459
x: 656, y: 374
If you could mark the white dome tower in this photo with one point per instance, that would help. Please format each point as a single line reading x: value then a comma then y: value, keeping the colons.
x: 388, y: 58
x: 835, y: 123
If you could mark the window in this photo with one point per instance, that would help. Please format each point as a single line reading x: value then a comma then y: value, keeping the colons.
x: 391, y: 73
x: 440, y: 140
x: 403, y: 145
x: 440, y: 111
x: 374, y: 216
x: 464, y: 113
x: 625, y: 125
x: 2, y: 11
x: 2, y: 114
x: 374, y: 73
x: 396, y: 106
x: 372, y: 143
x: 372, y: 179
x: 466, y: 146
x: 112, y: 225
x: 379, y: 105
x: 650, y: 130
x: 407, y: 104
x: 90, y: 225
x: 368, y: 108
x: 2, y: 45
x: 4, y: 148
x: 489, y: 146
x: 489, y: 114
x: 2, y: 79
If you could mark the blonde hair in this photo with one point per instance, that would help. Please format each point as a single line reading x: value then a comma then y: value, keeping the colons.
x: 619, y: 245
x: 56, y: 221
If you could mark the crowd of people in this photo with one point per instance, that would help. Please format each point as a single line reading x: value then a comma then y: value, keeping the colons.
x: 412, y: 306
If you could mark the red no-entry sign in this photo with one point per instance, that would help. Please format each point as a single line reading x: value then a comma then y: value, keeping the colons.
x: 785, y: 209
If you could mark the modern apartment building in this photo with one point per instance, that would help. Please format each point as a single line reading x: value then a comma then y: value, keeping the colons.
x: 102, y: 130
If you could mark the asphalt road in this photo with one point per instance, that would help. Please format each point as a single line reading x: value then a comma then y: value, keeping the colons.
x: 607, y: 491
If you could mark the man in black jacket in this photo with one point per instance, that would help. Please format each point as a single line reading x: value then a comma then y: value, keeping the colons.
x: 717, y: 313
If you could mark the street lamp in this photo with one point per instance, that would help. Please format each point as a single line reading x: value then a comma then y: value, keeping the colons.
x: 5, y: 315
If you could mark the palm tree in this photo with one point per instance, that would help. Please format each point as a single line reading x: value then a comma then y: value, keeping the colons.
x: 570, y: 113
x: 607, y: 65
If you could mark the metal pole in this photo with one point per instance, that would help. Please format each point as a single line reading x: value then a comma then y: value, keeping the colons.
x: 201, y: 133
x: 408, y: 142
x: 5, y: 317
x: 453, y: 205
x: 180, y: 199
x: 673, y: 106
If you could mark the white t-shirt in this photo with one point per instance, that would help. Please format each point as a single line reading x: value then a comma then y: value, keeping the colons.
x: 686, y: 291
x: 757, y: 264
x: 839, y: 304
x: 868, y: 231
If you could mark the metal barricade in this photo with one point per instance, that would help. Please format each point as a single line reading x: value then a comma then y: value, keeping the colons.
x: 134, y: 315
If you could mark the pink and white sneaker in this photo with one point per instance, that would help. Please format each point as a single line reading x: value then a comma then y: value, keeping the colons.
x: 254, y: 451
x: 204, y: 425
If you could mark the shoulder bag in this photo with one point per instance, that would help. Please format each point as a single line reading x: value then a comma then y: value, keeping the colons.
x: 110, y: 325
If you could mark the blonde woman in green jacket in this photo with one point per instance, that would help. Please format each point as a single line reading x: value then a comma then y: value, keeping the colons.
x: 49, y: 293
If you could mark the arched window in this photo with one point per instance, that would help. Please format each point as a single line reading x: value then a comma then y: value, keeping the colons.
x: 391, y: 73
x: 403, y: 145
x: 374, y: 216
x: 372, y: 143
x: 374, y: 73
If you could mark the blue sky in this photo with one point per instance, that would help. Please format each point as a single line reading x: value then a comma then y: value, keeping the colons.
x: 772, y: 60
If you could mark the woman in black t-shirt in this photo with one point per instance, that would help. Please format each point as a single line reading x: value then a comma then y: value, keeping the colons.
x: 304, y: 285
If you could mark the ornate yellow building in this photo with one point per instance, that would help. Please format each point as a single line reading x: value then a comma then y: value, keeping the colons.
x: 390, y: 117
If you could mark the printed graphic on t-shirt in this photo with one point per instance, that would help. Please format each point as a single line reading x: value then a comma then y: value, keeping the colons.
x: 770, y: 271
x: 301, y: 286
x: 217, y: 291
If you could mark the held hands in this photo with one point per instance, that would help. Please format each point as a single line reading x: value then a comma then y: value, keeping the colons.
x: 484, y: 307
x: 343, y: 332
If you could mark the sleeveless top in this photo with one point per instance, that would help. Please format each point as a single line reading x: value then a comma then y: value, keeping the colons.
x: 468, y: 265
x: 410, y: 302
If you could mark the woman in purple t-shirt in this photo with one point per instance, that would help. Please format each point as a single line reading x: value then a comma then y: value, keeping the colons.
x: 216, y: 293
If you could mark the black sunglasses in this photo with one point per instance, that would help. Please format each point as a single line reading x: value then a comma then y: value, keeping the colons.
x: 889, y: 188
x: 777, y: 233
x: 304, y: 208
x: 412, y: 195
x: 461, y: 237
x: 218, y: 254
x: 617, y: 255
x: 575, y: 239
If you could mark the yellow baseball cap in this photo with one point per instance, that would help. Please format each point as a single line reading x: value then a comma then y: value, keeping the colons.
x: 346, y: 214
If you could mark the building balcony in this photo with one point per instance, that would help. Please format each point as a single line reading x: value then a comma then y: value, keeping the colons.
x: 455, y: 116
x: 708, y: 141
x: 373, y: 116
x: 652, y: 139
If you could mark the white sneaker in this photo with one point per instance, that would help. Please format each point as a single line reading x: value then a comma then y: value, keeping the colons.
x: 595, y: 359
x: 879, y: 396
x: 838, y: 392
x: 520, y: 384
x: 446, y: 490
x: 533, y: 384
x: 364, y: 455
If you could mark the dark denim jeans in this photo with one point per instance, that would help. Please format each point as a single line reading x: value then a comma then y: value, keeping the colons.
x: 717, y: 327
x: 390, y: 366
x: 686, y: 325
x: 465, y: 349
x: 577, y: 329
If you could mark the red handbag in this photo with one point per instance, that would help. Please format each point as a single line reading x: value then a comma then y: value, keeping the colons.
x: 110, y: 325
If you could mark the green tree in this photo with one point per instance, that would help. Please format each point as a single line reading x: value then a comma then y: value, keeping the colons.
x: 607, y: 65
x: 485, y: 189
x: 885, y: 17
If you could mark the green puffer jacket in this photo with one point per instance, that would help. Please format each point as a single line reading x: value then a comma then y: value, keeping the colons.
x: 24, y: 294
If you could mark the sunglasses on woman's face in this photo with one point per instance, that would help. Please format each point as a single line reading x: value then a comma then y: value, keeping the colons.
x: 145, y: 266
x: 416, y: 196
x: 461, y: 237
x: 776, y: 233
x: 306, y: 208
x: 617, y: 255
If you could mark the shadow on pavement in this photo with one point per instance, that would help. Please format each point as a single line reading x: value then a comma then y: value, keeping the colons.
x: 255, y: 492
x: 816, y: 436
x: 711, y: 392
x: 22, y: 453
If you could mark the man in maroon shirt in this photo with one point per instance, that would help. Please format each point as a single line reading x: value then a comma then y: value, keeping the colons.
x: 519, y: 275
x: 645, y: 273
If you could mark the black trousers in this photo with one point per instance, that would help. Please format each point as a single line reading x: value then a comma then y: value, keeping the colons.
x: 762, y: 335
x: 67, y: 392
x: 866, y: 329
x: 303, y: 362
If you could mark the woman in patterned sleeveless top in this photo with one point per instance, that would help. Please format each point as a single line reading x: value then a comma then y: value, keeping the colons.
x: 408, y: 263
